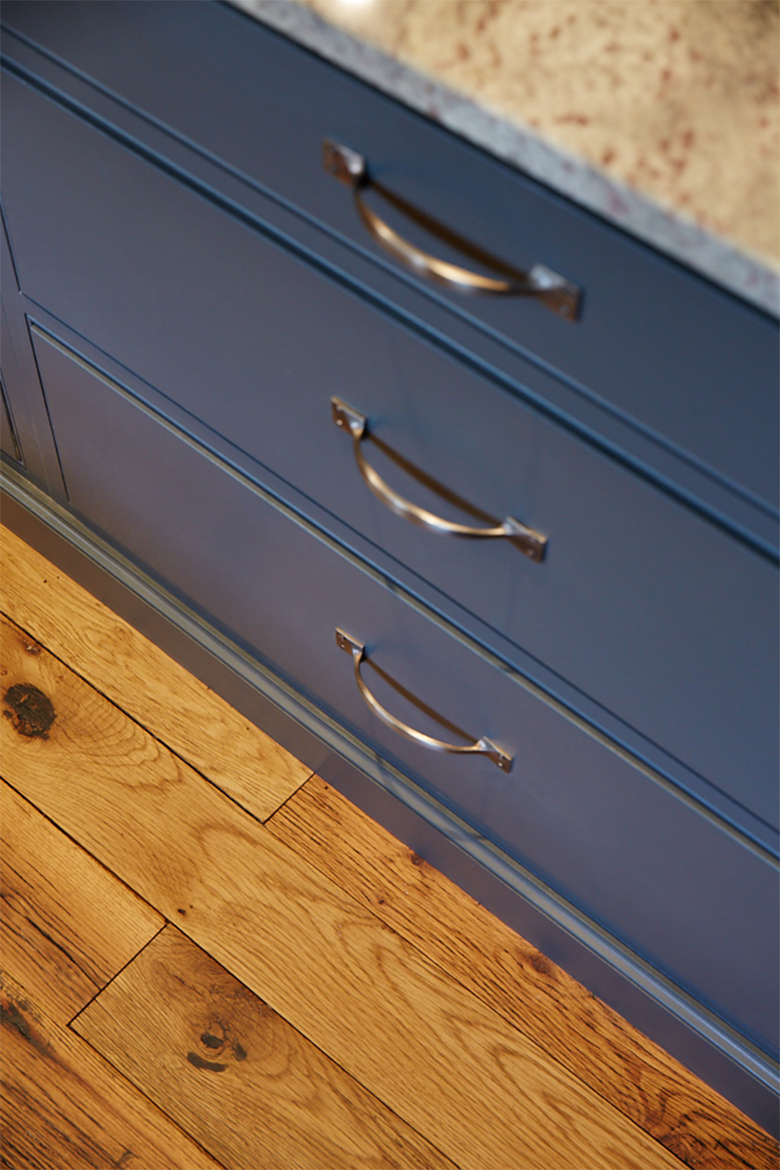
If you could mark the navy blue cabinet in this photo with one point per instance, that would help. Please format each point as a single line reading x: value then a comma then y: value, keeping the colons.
x: 634, y: 591
x: 654, y: 342
x: 195, y: 300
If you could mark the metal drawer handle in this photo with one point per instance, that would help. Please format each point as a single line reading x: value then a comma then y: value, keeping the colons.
x: 480, y: 747
x: 532, y: 543
x: 553, y: 290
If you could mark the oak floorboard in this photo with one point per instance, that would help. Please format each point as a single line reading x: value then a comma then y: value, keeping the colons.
x: 65, y: 1108
x: 506, y: 972
x: 145, y: 682
x: 435, y: 1054
x: 68, y: 925
x: 235, y: 1075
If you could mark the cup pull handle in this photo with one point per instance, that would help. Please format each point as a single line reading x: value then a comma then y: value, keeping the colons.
x: 530, y: 542
x: 480, y: 747
x: 553, y: 290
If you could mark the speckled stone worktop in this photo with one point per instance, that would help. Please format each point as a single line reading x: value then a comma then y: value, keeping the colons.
x: 662, y: 115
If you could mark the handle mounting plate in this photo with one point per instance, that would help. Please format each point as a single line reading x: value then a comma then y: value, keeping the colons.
x: 344, y: 164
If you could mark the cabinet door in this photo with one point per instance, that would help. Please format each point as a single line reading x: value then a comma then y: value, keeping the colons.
x: 673, y: 883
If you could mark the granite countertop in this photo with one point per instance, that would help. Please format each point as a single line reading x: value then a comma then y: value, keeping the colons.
x: 661, y: 115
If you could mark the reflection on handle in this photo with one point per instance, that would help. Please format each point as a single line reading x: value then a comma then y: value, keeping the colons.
x: 555, y: 291
x: 481, y: 747
x: 531, y: 543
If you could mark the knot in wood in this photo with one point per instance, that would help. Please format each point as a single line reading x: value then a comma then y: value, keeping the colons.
x: 30, y: 711
x: 541, y: 964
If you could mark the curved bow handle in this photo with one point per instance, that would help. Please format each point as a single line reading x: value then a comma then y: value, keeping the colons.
x: 480, y: 747
x: 555, y: 291
x: 530, y: 542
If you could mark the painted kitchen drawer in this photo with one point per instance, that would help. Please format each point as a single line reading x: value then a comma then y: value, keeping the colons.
x: 654, y: 342
x: 665, y: 878
x: 660, y: 617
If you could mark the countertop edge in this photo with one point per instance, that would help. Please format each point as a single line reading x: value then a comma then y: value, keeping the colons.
x: 724, y: 263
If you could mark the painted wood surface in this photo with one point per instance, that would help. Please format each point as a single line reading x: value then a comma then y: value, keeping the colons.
x: 8, y: 441
x: 199, y: 726
x: 235, y: 1075
x: 635, y: 589
x: 654, y: 340
x: 66, y: 1108
x: 521, y: 984
x: 68, y: 925
x: 407, y: 1031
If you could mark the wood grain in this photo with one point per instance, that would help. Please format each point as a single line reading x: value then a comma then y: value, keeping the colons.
x: 506, y: 972
x: 140, y: 678
x: 235, y: 1075
x: 68, y: 925
x: 464, y: 1078
x: 65, y: 1108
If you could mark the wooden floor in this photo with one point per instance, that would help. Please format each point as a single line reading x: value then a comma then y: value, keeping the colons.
x: 210, y: 958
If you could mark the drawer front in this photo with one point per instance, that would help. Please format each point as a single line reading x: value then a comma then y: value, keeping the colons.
x: 660, y: 617
x: 654, y: 342
x: 666, y: 879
